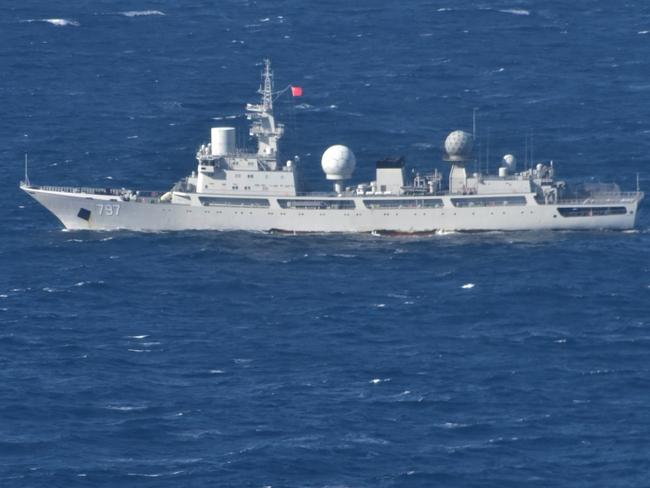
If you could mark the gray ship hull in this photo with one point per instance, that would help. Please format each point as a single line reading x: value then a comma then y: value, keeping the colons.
x: 88, y: 211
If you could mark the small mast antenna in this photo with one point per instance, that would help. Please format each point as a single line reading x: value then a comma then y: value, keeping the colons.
x: 474, y: 122
x: 532, y: 160
x: 526, y: 150
x: 27, y: 176
x: 487, y: 156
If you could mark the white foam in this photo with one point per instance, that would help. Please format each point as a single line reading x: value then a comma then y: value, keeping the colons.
x: 468, y: 286
x: 125, y: 408
x: 515, y: 11
x: 57, y: 22
x: 141, y: 13
x: 376, y: 381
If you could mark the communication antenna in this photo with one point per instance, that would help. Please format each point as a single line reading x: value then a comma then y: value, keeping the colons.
x: 27, y: 176
x: 526, y: 150
x: 532, y: 160
x: 474, y: 122
x: 487, y: 150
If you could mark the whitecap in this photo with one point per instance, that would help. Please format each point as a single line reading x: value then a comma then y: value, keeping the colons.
x: 515, y: 11
x: 217, y: 371
x: 144, y: 336
x: 4, y: 296
x: 125, y: 408
x: 141, y: 13
x: 376, y: 381
x: 468, y: 286
x: 452, y: 425
x: 57, y: 22
x: 643, y: 32
x: 80, y: 283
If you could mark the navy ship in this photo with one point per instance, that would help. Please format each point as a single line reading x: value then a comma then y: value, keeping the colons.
x: 238, y: 189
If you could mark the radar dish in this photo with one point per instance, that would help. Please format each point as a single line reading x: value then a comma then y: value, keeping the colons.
x: 458, y: 145
x: 338, y: 162
x: 510, y: 162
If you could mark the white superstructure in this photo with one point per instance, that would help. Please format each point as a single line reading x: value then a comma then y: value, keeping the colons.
x: 237, y: 189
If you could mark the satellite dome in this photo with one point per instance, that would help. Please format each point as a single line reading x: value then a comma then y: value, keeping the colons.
x: 338, y: 162
x: 510, y: 162
x: 458, y: 145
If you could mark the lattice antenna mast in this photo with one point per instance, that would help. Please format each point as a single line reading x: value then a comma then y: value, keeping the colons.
x: 266, y: 89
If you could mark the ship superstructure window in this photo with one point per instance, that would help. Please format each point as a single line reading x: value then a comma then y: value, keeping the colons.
x: 590, y: 211
x: 234, y: 202
x: 317, y: 204
x: 488, y: 201
x: 403, y: 203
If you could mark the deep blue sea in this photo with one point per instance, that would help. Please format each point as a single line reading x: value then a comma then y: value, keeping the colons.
x: 248, y: 360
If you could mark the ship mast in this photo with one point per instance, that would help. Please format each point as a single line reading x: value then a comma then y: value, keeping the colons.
x: 264, y: 127
x: 266, y: 88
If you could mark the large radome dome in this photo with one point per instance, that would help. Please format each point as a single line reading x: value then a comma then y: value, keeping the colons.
x: 459, y: 144
x: 338, y: 162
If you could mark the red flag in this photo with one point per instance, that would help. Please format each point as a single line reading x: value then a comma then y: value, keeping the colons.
x: 296, y: 91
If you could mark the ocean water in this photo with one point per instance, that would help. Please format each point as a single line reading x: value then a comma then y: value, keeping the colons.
x: 240, y: 359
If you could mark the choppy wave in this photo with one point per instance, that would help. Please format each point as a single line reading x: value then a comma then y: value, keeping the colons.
x: 141, y: 13
x: 515, y: 11
x: 57, y: 22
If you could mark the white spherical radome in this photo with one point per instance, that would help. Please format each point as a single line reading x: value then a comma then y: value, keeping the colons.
x: 510, y: 162
x: 338, y: 162
x: 459, y: 144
